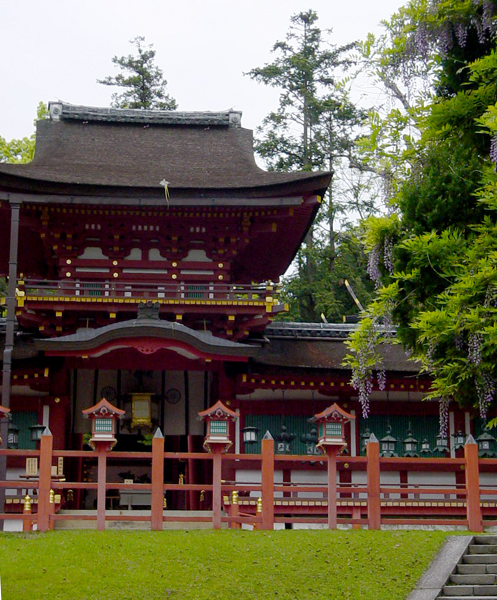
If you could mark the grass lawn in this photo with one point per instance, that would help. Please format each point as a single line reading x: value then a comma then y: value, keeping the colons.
x: 222, y: 565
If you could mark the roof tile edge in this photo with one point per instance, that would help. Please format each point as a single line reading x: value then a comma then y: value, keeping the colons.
x: 62, y: 111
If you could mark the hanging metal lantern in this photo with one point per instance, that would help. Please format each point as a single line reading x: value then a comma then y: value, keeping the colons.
x: 442, y: 444
x: 459, y: 439
x: 364, y: 440
x: 310, y: 440
x: 13, y: 436
x: 425, y: 448
x: 388, y: 444
x: 36, y: 432
x: 410, y: 445
x: 486, y: 445
x: 284, y: 441
x: 250, y: 435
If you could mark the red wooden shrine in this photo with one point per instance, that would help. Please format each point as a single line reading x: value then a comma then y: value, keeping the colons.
x: 143, y: 251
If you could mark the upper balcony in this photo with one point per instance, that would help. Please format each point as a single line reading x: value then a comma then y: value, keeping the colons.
x: 225, y: 309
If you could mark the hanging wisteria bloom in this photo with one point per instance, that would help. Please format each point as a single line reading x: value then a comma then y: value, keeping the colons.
x: 485, y: 388
x: 381, y: 377
x: 474, y: 348
x: 493, y: 150
x: 443, y: 416
x: 373, y: 265
x: 388, y: 254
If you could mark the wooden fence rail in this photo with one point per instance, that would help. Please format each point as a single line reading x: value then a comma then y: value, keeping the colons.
x: 371, y: 502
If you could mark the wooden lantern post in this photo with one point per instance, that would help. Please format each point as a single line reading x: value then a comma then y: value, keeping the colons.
x: 217, y: 441
x: 103, y: 438
x: 331, y: 441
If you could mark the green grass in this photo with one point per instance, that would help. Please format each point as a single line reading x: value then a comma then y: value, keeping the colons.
x: 222, y: 565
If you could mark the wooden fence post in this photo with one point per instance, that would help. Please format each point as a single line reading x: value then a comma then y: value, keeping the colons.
x: 44, y: 484
x: 216, y: 485
x: 373, y: 471
x: 267, y: 468
x: 473, y: 508
x: 332, y: 452
x: 157, y: 503
x: 101, y: 485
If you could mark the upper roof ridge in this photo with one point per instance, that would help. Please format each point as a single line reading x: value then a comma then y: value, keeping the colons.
x: 64, y: 111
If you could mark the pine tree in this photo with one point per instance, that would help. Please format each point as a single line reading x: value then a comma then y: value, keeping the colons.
x: 313, y: 128
x: 142, y: 81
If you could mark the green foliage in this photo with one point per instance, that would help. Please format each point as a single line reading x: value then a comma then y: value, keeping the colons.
x: 313, y: 128
x: 442, y: 290
x: 356, y: 565
x: 142, y: 81
x: 21, y: 150
x: 325, y: 293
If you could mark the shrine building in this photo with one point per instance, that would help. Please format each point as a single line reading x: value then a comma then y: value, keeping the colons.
x: 146, y: 248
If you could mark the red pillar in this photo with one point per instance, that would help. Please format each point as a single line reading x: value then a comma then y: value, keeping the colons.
x: 157, y: 503
x: 374, y: 505
x: 216, y: 485
x: 267, y: 452
x: 332, y: 452
x: 102, y: 481
x: 46, y: 446
x: 473, y: 508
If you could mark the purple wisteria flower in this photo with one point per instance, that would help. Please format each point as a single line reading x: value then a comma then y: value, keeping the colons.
x: 443, y: 416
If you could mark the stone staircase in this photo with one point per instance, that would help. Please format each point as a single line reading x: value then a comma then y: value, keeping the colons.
x: 475, y: 577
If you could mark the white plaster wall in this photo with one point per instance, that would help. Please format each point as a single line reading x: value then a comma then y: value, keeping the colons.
x: 311, y: 478
x: 174, y: 414
x: 438, y: 479
x: 488, y: 480
x: 196, y: 400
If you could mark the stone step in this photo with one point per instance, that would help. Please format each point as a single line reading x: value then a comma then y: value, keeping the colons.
x: 464, y: 597
x: 473, y: 579
x: 469, y: 569
x: 483, y: 549
x: 485, y: 539
x: 480, y: 559
x: 470, y: 590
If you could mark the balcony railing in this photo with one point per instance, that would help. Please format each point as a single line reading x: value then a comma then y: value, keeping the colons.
x: 38, y: 289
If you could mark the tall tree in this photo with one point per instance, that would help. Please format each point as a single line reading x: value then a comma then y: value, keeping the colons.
x: 434, y: 260
x: 313, y: 128
x: 141, y: 79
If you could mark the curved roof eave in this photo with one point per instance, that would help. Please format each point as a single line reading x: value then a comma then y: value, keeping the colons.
x: 91, y: 339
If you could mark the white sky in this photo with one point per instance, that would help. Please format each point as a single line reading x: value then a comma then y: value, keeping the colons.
x: 57, y: 49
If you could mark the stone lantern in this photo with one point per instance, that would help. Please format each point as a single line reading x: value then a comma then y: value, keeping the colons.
x: 217, y: 418
x: 104, y: 417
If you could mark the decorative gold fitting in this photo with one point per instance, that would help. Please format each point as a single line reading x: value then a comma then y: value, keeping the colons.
x: 234, y: 497
x: 202, y: 495
x: 27, y: 504
x: 52, y: 497
x: 259, y: 505
x: 181, y: 480
x: 164, y: 503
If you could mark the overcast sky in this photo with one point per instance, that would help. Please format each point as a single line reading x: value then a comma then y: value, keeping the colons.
x: 57, y: 49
